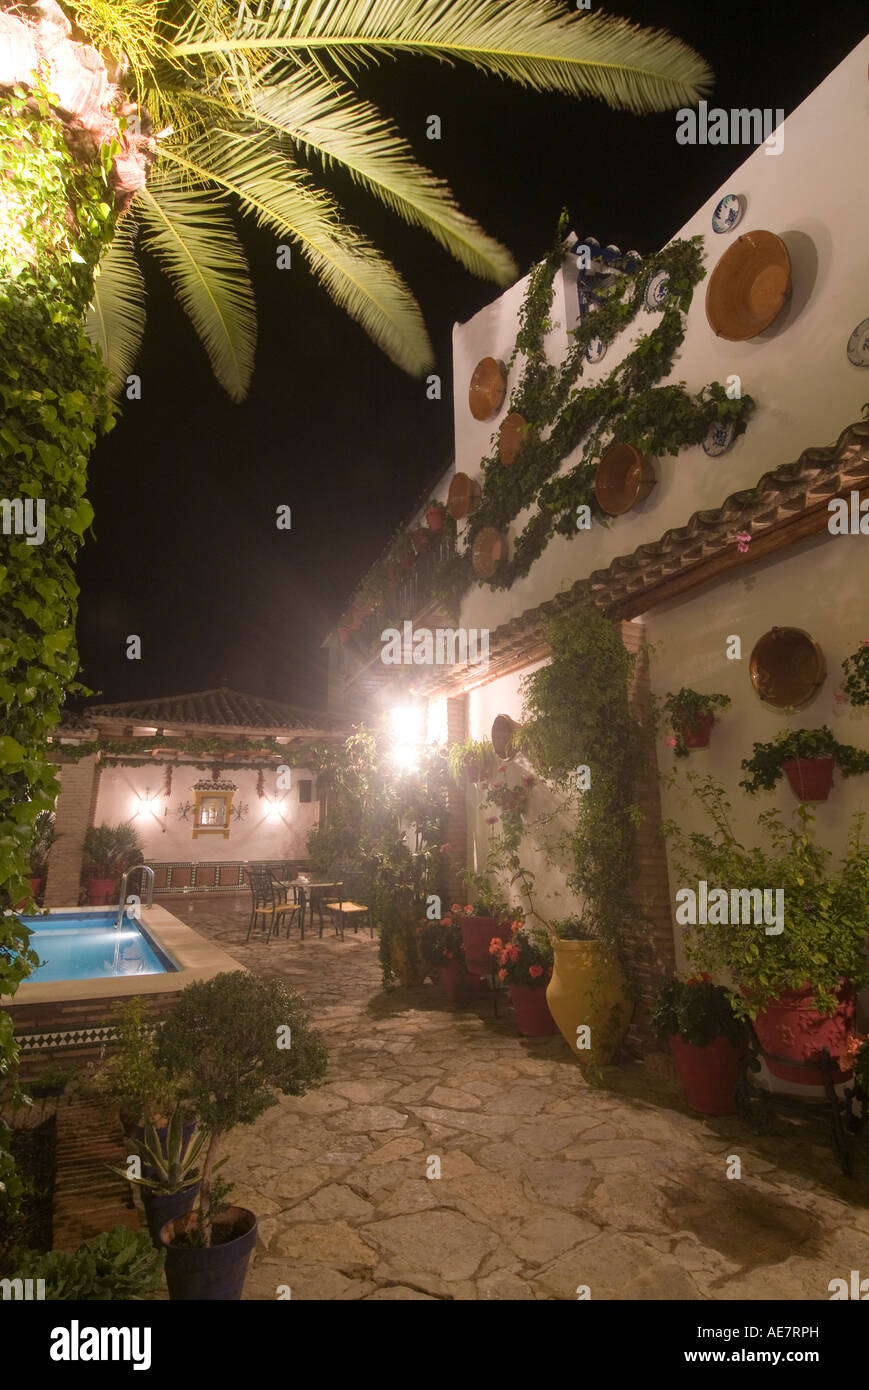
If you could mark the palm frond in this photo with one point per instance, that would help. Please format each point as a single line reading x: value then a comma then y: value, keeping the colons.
x: 343, y: 130
x: 192, y: 236
x: 282, y: 196
x: 532, y: 42
x: 115, y: 319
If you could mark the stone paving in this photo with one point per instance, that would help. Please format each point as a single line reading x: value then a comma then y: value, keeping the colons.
x: 548, y: 1183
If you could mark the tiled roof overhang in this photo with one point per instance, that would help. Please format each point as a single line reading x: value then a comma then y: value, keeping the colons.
x: 219, y: 711
x: 788, y: 505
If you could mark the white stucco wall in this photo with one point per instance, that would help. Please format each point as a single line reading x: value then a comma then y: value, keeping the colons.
x: 167, y: 837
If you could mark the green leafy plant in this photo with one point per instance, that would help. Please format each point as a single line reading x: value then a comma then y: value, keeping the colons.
x: 685, y: 710
x: 118, y: 1265
x: 475, y: 759
x: 765, y: 766
x: 172, y: 1166
x: 485, y: 898
x: 132, y: 1076
x: 236, y: 1042
x: 697, y: 1010
x: 572, y: 929
x: 856, y: 669
x: 826, y: 907
x: 441, y: 941
x: 111, y: 849
x: 40, y: 845
x: 525, y: 957
x: 53, y: 1080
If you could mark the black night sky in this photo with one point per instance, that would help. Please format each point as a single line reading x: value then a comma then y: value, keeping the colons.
x: 186, y: 553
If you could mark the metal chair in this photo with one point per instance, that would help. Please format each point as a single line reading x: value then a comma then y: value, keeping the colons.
x: 346, y: 907
x: 269, y: 902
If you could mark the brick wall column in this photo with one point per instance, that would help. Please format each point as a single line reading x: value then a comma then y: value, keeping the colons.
x: 649, y: 939
x: 74, y: 814
x: 457, y: 804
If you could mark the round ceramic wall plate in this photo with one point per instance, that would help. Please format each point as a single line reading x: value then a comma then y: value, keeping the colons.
x: 595, y: 351
x: 719, y: 438
x: 657, y: 289
x: 858, y: 345
x: 787, y: 667
x: 727, y: 213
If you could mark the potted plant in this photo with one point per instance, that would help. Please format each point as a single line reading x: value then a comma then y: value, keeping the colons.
x: 419, y: 539
x: 399, y: 952
x: 524, y: 961
x: 40, y: 848
x: 108, y: 851
x: 236, y: 1042
x: 588, y: 994
x: 168, y: 1172
x: 480, y: 921
x: 807, y: 757
x: 132, y: 1077
x: 787, y: 925
x: 442, y: 949
x: 434, y: 515
x: 691, y: 717
x: 475, y: 760
x: 707, y: 1040
x: 856, y: 669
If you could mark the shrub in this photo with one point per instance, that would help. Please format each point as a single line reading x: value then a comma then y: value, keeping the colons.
x: 697, y: 1010
x: 525, y: 957
x: 116, y: 1265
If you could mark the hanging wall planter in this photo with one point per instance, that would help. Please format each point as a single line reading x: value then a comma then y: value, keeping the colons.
x: 489, y: 552
x: 503, y: 730
x: 419, y: 540
x: 749, y: 286
x: 510, y: 437
x: 487, y: 389
x: 810, y: 778
x: 463, y: 497
x: 434, y: 516
x: 624, y: 478
x: 787, y: 667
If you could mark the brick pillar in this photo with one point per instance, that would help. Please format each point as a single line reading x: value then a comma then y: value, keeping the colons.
x: 649, y: 939
x: 74, y: 814
x: 457, y: 817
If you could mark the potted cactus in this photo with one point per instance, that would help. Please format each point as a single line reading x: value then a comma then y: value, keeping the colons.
x: 166, y: 1168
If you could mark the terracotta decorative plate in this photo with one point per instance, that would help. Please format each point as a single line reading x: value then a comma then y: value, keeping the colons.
x: 787, y: 667
x: 463, y: 497
x: 488, y: 388
x: 623, y: 479
x: 489, y: 552
x: 510, y: 436
x: 503, y: 730
x: 749, y: 286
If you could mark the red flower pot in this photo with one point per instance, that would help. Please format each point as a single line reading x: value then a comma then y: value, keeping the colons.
x: 102, y: 891
x: 419, y: 540
x: 811, y: 778
x: 533, y: 1018
x: 36, y: 886
x: 696, y: 735
x: 458, y: 985
x: 791, y: 1028
x: 434, y: 519
x: 708, y: 1074
x: 477, y: 932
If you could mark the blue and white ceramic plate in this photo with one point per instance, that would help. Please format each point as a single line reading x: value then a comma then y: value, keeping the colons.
x: 858, y: 345
x: 657, y: 290
x: 727, y: 213
x: 595, y: 351
x: 719, y: 438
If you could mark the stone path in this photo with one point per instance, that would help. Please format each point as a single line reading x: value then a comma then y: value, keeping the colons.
x: 547, y: 1183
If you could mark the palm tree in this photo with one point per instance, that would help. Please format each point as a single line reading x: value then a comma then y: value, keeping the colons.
x: 256, y: 103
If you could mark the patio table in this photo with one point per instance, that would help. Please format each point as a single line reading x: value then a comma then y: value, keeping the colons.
x: 310, y: 892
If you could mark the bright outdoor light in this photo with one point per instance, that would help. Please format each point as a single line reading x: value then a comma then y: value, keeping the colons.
x: 406, y: 724
x: 274, y: 811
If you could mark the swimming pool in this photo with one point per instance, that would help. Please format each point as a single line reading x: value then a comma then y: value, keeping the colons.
x: 87, y: 946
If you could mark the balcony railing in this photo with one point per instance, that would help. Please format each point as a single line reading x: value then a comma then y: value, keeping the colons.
x: 415, y: 586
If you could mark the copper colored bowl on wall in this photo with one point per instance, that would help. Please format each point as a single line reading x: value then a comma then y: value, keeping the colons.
x: 489, y: 552
x: 503, y: 730
x: 488, y: 388
x: 510, y: 437
x: 623, y: 479
x: 463, y: 497
x: 749, y: 286
x: 787, y: 667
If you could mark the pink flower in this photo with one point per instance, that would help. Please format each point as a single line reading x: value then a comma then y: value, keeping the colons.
x: 839, y: 697
x: 456, y: 907
x: 672, y: 742
x: 743, y: 541
x: 491, y: 820
x: 445, y: 921
x: 502, y: 974
x: 503, y: 767
x: 535, y: 971
x: 865, y: 642
x: 495, y: 945
x: 469, y: 909
x: 448, y: 955
x: 529, y: 781
x: 513, y: 952
x: 515, y: 926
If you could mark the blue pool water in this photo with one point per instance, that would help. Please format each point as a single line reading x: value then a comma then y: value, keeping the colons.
x: 86, y: 946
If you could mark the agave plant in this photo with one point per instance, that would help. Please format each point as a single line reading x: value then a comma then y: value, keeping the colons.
x: 170, y: 1168
x: 251, y: 106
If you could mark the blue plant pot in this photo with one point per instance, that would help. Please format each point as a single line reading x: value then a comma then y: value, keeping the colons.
x: 161, y: 1207
x: 213, y: 1274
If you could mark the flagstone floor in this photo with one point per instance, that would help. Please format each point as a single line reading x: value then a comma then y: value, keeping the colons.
x: 548, y: 1185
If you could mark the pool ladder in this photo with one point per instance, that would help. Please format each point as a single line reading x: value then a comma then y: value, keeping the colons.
x: 149, y: 899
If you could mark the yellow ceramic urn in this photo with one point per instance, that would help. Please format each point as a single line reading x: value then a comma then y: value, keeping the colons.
x: 589, y: 1000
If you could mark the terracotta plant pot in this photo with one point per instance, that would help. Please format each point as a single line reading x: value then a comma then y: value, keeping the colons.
x: 489, y: 552
x: 477, y: 932
x: 458, y: 984
x: 810, y: 778
x: 588, y: 988
x: 697, y: 735
x: 510, y: 437
x: 102, y: 891
x: 533, y: 1018
x: 487, y: 389
x: 791, y: 1028
x: 434, y: 519
x: 708, y: 1074
x: 749, y: 286
x: 503, y: 730
x: 463, y: 497
x: 36, y: 886
x: 624, y: 478
x: 214, y: 1274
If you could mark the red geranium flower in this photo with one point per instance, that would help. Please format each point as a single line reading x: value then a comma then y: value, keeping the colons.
x: 495, y: 945
x: 535, y: 971
x: 502, y: 974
